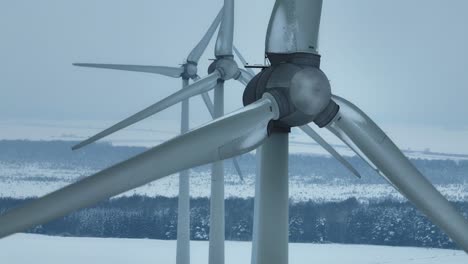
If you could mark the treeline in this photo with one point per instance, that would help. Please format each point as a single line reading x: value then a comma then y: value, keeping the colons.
x: 310, y: 168
x: 379, y: 223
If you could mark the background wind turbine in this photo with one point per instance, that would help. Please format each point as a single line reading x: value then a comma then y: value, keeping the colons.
x: 186, y: 72
x: 223, y: 68
x: 226, y: 68
x: 292, y: 92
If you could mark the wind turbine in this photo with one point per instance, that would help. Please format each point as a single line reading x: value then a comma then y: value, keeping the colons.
x: 223, y: 66
x: 186, y: 72
x: 292, y: 92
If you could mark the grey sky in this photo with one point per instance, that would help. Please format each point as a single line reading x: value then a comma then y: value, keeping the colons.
x: 401, y: 61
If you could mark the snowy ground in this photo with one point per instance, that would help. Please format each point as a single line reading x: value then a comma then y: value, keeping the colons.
x: 27, y: 248
x: 21, y: 180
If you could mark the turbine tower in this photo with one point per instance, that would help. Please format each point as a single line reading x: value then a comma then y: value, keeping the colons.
x: 224, y: 63
x: 292, y: 92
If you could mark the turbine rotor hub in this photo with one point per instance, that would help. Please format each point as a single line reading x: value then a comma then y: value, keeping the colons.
x: 190, y: 70
x: 301, y: 89
x: 226, y: 66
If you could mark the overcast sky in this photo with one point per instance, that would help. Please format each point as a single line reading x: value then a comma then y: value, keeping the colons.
x: 401, y: 61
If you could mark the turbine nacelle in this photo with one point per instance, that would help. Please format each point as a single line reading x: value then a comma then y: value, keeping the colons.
x: 300, y: 88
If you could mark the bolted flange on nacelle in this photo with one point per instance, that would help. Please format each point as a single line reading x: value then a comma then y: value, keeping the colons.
x: 301, y: 89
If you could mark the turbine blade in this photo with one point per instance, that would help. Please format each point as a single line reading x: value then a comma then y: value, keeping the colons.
x: 174, y: 72
x: 244, y: 77
x: 197, y: 52
x: 315, y: 136
x: 208, y: 103
x: 241, y: 58
x: 293, y: 27
x: 238, y: 169
x: 226, y: 137
x: 226, y: 31
x: 210, y: 107
x: 206, y: 99
x: 195, y: 88
x: 351, y: 124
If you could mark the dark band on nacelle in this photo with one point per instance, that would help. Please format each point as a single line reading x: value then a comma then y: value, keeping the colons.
x: 327, y: 115
x: 300, y: 58
x: 273, y: 127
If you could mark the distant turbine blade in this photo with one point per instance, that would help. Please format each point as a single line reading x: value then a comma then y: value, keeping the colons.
x: 245, y: 77
x: 201, y: 86
x: 207, y: 100
x: 241, y: 58
x: 360, y: 154
x: 208, y: 103
x: 352, y: 124
x: 317, y: 138
x: 226, y: 137
x: 174, y: 72
x: 226, y: 31
x: 238, y: 169
x: 197, y: 52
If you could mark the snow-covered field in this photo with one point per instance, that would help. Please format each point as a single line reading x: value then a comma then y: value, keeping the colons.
x: 27, y: 248
x: 26, y: 179
x: 21, y: 180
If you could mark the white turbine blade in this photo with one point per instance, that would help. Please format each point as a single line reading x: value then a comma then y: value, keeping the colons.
x: 207, y: 100
x: 208, y: 103
x: 244, y: 77
x: 201, y: 86
x: 238, y: 169
x: 294, y: 27
x: 241, y: 58
x: 226, y: 137
x: 226, y: 31
x: 352, y: 124
x: 317, y: 138
x: 175, y: 72
x: 210, y: 107
x: 197, y: 52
